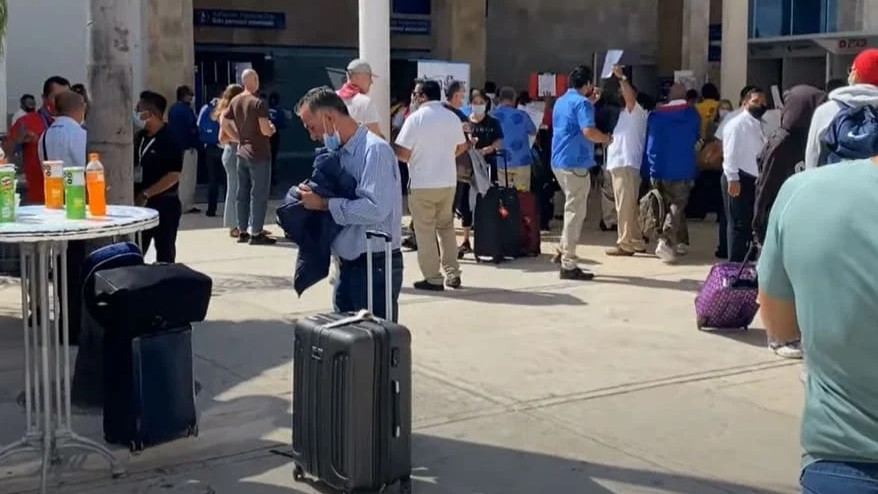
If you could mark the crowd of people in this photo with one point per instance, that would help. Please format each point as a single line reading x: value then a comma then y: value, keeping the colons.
x: 810, y: 229
x: 762, y: 170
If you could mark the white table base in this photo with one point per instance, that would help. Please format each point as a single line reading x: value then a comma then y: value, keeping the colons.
x: 47, y: 354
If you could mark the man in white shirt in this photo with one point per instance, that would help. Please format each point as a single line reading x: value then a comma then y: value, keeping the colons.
x: 743, y: 139
x: 624, y: 157
x: 354, y: 94
x: 65, y: 140
x: 430, y: 140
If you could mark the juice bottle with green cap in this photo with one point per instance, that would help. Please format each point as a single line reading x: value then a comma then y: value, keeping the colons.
x: 74, y: 192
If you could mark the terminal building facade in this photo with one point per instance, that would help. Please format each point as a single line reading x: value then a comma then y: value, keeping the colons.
x: 298, y: 44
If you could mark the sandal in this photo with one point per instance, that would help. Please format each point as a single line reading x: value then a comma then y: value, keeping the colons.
x: 234, y: 233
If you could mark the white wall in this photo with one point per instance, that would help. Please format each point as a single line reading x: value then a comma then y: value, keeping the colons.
x: 49, y: 37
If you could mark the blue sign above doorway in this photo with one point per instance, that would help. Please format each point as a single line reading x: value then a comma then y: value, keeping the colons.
x: 412, y: 7
x: 240, y: 18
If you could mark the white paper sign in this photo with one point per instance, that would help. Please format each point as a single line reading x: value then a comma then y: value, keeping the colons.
x: 546, y: 83
x: 445, y: 73
x: 613, y: 58
x: 775, y: 95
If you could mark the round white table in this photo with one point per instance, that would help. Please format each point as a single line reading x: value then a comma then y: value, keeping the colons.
x: 43, y: 235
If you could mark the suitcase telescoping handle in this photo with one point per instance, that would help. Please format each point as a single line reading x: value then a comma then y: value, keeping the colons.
x: 388, y: 275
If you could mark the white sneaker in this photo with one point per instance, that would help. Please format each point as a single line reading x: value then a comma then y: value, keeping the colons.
x: 682, y: 249
x: 792, y: 350
x: 664, y: 252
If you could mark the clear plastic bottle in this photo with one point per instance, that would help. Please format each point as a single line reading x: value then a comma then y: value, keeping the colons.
x: 96, y: 186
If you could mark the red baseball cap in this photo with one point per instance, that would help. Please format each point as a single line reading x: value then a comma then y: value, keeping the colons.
x: 866, y: 65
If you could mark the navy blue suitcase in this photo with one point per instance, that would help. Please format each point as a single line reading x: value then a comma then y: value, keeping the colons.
x: 150, y: 395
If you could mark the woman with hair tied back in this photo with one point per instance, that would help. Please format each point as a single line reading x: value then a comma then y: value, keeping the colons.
x: 230, y: 160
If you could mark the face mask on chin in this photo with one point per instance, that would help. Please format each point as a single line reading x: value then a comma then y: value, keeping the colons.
x: 723, y: 113
x: 138, y: 120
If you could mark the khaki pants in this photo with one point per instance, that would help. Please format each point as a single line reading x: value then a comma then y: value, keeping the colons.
x: 626, y: 189
x: 518, y: 177
x: 576, y: 184
x: 675, y: 193
x: 433, y: 216
x: 608, y: 202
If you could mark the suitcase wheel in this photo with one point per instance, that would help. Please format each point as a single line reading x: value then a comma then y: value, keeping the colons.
x: 298, y: 474
x: 136, y: 447
x: 405, y: 486
x: 192, y: 431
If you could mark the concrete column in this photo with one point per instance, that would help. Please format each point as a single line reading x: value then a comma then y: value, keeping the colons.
x: 375, y: 49
x: 460, y: 35
x: 4, y: 111
x: 734, y: 48
x: 695, y: 37
x: 170, y: 46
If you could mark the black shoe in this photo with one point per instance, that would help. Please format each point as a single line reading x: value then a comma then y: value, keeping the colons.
x: 192, y: 210
x: 576, y: 274
x: 243, y: 238
x: 605, y: 228
x: 426, y: 285
x: 464, y: 249
x: 453, y: 282
x: 410, y: 243
x: 262, y: 240
x: 210, y: 214
x: 720, y: 254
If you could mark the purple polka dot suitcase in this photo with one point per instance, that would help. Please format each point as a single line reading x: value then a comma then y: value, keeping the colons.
x: 727, y: 300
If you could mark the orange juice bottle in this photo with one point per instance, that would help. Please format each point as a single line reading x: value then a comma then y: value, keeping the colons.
x: 53, y: 184
x: 96, y: 186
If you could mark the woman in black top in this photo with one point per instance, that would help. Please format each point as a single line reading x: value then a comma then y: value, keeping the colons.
x: 487, y: 137
x: 158, y: 163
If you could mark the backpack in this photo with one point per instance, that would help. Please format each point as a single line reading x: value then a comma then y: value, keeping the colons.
x: 652, y: 214
x: 852, y: 134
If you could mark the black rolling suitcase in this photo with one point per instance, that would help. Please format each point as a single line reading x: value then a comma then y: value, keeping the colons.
x: 149, y: 396
x: 497, y: 223
x: 352, y: 397
x: 146, y: 313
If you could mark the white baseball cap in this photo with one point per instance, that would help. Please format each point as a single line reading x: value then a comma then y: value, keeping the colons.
x: 360, y: 66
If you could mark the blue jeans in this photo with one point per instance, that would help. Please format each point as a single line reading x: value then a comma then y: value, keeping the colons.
x: 254, y: 183
x: 230, y: 208
x: 829, y: 477
x: 350, y: 290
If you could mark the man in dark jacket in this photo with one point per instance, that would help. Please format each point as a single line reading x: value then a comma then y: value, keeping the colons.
x: 784, y: 151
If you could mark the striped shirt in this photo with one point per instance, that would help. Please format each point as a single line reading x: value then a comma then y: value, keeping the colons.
x: 372, y: 162
x: 65, y: 140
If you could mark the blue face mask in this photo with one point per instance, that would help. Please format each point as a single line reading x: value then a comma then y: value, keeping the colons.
x: 139, y: 123
x: 331, y: 141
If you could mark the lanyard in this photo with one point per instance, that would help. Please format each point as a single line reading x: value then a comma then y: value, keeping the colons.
x: 144, y: 149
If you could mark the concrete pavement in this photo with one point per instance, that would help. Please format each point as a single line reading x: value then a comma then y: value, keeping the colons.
x: 523, y: 383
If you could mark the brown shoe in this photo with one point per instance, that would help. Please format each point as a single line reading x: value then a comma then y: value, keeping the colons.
x: 619, y: 252
x: 234, y: 232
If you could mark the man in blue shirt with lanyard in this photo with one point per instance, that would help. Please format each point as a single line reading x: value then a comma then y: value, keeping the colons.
x: 573, y: 143
x: 378, y: 206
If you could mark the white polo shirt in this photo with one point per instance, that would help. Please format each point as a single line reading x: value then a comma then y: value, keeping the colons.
x: 629, y: 138
x: 65, y: 140
x: 743, y: 140
x: 432, y: 134
x: 362, y: 109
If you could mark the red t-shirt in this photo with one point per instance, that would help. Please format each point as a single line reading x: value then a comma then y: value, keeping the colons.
x: 36, y: 122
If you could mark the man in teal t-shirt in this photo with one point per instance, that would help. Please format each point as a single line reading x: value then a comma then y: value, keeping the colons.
x: 817, y: 275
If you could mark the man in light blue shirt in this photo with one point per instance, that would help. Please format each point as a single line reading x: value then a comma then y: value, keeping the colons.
x: 65, y: 140
x: 371, y: 161
x: 517, y: 130
x: 815, y: 277
x: 573, y: 138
